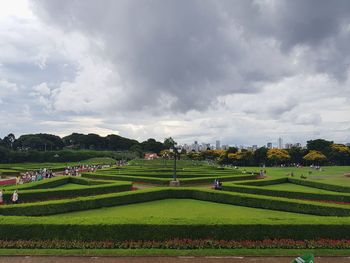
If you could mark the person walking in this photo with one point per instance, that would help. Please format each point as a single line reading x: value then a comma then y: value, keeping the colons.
x: 1, y: 197
x: 15, y: 197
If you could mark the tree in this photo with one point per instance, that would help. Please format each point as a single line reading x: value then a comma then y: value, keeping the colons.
x: 4, y: 154
x: 315, y: 156
x: 40, y: 141
x: 260, y: 155
x: 137, y: 149
x: 119, y: 143
x: 211, y: 154
x: 241, y: 158
x: 169, y: 143
x: 320, y: 145
x: 9, y: 140
x: 232, y: 150
x: 296, y: 154
x: 339, y: 154
x: 278, y: 156
x: 151, y: 145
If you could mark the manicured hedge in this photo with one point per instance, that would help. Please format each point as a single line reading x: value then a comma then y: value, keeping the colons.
x: 165, y: 181
x: 256, y: 201
x: 264, y: 182
x: 161, y: 175
x: 49, y: 194
x: 324, y: 186
x: 55, y: 182
x: 51, y: 230
x: 44, y: 184
x: 46, y: 228
x: 285, y: 193
x: 151, y: 180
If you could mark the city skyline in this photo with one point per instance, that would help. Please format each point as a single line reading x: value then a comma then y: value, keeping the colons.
x: 245, y: 71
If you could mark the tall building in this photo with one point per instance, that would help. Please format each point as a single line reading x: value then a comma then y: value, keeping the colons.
x: 218, y: 146
x: 280, y: 143
x: 288, y: 145
x: 225, y: 147
x: 269, y: 145
x: 196, y: 146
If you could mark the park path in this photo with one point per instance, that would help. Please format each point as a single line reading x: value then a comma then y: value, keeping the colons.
x: 64, y: 259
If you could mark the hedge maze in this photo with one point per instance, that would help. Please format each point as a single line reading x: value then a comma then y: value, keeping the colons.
x: 317, y: 210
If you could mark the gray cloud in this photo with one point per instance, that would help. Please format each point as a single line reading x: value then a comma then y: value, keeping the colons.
x: 188, y: 52
x: 239, y: 70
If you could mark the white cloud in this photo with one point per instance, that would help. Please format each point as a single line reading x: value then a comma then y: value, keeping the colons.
x: 243, y: 72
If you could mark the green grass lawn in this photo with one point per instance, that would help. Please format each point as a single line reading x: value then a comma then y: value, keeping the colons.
x: 297, y: 188
x: 70, y: 186
x: 328, y: 174
x: 194, y: 211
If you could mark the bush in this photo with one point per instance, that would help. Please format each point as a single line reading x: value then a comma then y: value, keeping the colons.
x: 165, y: 181
x: 287, y: 194
x: 330, y: 187
x: 85, y: 203
x: 40, y: 191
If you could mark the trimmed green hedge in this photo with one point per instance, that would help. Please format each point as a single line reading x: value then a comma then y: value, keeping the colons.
x: 165, y: 181
x: 324, y: 186
x: 88, y: 189
x: 44, y: 228
x: 55, y: 182
x: 60, y: 231
x: 284, y: 193
x: 256, y: 201
x: 264, y: 182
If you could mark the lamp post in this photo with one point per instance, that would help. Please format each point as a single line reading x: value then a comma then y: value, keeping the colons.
x: 175, y: 182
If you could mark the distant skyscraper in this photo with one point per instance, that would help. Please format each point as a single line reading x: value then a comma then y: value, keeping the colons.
x: 218, y: 147
x: 280, y: 143
x: 269, y: 145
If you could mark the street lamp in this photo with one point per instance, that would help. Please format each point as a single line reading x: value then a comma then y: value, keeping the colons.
x: 174, y: 150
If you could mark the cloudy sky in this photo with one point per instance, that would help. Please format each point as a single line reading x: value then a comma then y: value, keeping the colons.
x: 244, y: 72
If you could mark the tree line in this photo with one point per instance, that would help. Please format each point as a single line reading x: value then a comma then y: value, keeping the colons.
x: 48, y: 147
x: 316, y: 152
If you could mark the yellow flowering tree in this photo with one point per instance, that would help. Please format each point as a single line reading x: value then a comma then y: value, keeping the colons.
x: 278, y: 156
x: 315, y: 156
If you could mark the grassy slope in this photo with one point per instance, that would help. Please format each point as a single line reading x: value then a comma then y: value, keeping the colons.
x: 192, y: 211
x: 70, y: 186
x: 296, y: 187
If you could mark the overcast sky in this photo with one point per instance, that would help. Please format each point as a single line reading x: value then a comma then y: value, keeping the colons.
x: 243, y: 72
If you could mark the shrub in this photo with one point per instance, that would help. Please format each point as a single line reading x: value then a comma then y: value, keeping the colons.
x: 45, y: 193
x: 287, y: 194
x: 256, y: 201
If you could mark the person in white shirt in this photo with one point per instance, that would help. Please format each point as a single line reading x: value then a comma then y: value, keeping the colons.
x: 1, y: 197
x: 15, y: 197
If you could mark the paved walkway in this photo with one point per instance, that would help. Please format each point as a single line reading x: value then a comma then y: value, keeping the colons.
x: 48, y: 259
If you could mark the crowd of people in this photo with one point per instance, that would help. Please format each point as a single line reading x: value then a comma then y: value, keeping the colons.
x: 32, y: 176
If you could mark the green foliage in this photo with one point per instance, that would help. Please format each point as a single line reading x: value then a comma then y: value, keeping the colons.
x: 45, y: 190
x: 319, y: 145
x: 278, y: 156
x: 320, y: 185
x: 44, y: 228
x: 84, y: 203
x: 288, y: 194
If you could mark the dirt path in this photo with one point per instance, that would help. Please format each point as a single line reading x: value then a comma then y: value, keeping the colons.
x: 47, y: 259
